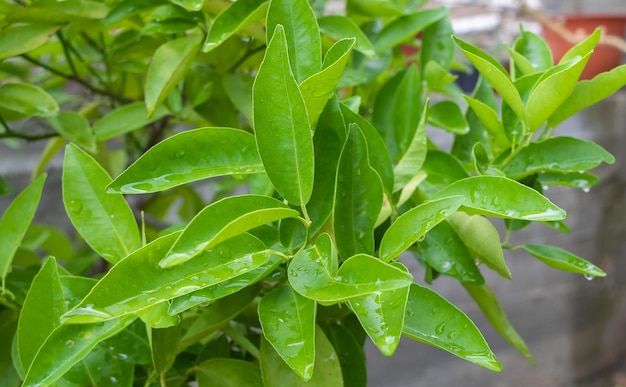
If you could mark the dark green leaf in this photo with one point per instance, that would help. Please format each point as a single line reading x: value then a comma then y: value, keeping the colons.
x: 5, y: 188
x: 407, y: 26
x: 232, y: 20
x: 350, y: 353
x: 228, y: 373
x: 406, y: 108
x: 436, y: 43
x: 163, y: 344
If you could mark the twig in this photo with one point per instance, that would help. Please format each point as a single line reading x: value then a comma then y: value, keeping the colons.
x: 10, y: 133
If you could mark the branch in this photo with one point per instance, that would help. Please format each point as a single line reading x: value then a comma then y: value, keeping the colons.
x: 10, y: 133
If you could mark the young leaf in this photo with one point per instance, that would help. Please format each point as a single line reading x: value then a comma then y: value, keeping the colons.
x: 491, y: 308
x: 433, y: 320
x: 19, y: 39
x: 303, y: 43
x: 222, y: 220
x: 27, y: 99
x: 502, y: 197
x: 406, y: 105
x: 67, y: 345
x: 560, y: 259
x: 489, y: 118
x: 339, y: 27
x: 281, y: 124
x: 406, y: 26
x: 288, y: 323
x: 320, y: 87
x: 104, y: 220
x: 447, y: 115
x: 137, y: 282
x: 581, y: 49
x: 228, y: 372
x: 532, y: 47
x: 413, y: 224
x: 15, y: 222
x: 482, y: 239
x: 495, y: 74
x: 587, y: 93
x: 191, y: 155
x: 358, y: 197
x: 168, y: 67
x: 557, y: 154
x: 125, y: 119
x: 232, y: 20
x: 40, y: 315
x: 411, y: 162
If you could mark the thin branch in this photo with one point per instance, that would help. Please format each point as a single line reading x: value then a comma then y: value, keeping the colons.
x: 68, y: 57
x: 10, y: 133
x: 246, y: 57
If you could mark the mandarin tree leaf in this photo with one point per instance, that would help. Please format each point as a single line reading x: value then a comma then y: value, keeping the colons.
x: 228, y: 372
x: 19, y: 39
x: 560, y: 259
x: 27, y: 99
x: 339, y: 27
x: 232, y: 20
x: 125, y: 119
x: 406, y: 26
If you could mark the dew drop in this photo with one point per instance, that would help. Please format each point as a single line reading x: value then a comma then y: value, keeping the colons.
x: 76, y: 207
x: 589, y: 277
x: 439, y: 329
x: 586, y: 189
x: 113, y: 380
x: 545, y: 187
x: 122, y: 356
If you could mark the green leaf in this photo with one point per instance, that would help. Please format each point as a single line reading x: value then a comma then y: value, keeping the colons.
x: 433, y: 320
x: 495, y: 74
x: 105, y: 221
x: 302, y: 36
x: 583, y: 48
x: 222, y: 220
x: 191, y: 155
x: 382, y: 114
x: 411, y: 162
x: 168, y: 67
x: 569, y: 179
x: 406, y: 26
x: 381, y: 315
x: 406, y: 106
x: 447, y: 115
x: 232, y: 20
x: 5, y: 188
x: 157, y: 316
x: 19, y: 39
x: 228, y: 373
x: 560, y: 259
x: 288, y: 323
x: 125, y: 119
x: 492, y: 124
x: 137, y: 282
x: 27, y: 99
x: 491, y: 308
x: 163, y: 344
x: 15, y: 223
x: 350, y: 354
x: 557, y: 154
x: 502, y: 197
x: 445, y: 252
x: 414, y: 224
x: 320, y: 87
x: 436, y: 43
x: 482, y: 239
x: 276, y: 372
x: 40, y: 313
x: 75, y: 128
x: 587, y: 93
x: 443, y: 168
x: 535, y: 49
x: 281, y: 124
x: 358, y: 197
x: 553, y: 88
x: 340, y: 27
x: 9, y: 376
x: 189, y: 5
x: 67, y: 345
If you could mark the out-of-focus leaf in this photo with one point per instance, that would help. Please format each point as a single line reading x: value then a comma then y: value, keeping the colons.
x: 560, y: 259
x: 406, y: 26
x: 27, y: 99
x: 448, y: 116
x: 75, y: 128
x: 340, y: 27
x: 19, y: 39
x: 125, y: 119
x: 232, y: 20
x: 228, y: 372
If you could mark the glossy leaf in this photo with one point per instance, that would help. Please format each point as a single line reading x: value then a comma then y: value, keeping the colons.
x: 232, y: 20
x: 350, y: 354
x: 163, y: 344
x: 228, y: 373
x: 137, y: 282
x: 411, y: 162
x: 281, y: 124
x: 191, y: 155
x: 125, y: 119
x: 359, y: 276
x: 482, y: 239
x: 222, y: 220
x: 275, y: 371
x: 19, y: 39
x: 491, y: 308
x: 414, y: 224
x: 569, y: 179
x: 443, y: 168
x: 534, y: 49
x: 502, y: 197
x: 583, y: 48
x: 67, y: 345
x: 157, y: 316
x: 339, y: 27
x: 445, y: 252
x: 448, y: 116
x: 302, y: 35
x: 436, y: 43
x: 495, y: 74
x: 189, y: 5
x: 552, y: 90
x: 358, y: 197
x: 589, y: 92
x: 75, y: 128
x: 168, y: 67
x: 406, y: 26
x: 557, y: 154
x: 320, y: 87
x: 27, y: 99
x: 383, y: 110
x: 432, y: 320
x: 15, y: 222
x: 489, y: 118
x: 560, y: 259
x: 288, y: 323
x: 40, y: 313
x: 406, y: 106
x: 104, y: 220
